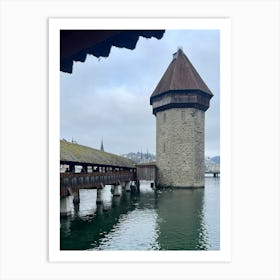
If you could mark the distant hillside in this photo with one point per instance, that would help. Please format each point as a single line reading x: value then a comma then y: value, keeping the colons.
x: 147, y: 157
x: 215, y: 159
x: 212, y: 163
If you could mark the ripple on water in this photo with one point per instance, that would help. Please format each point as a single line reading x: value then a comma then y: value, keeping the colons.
x: 162, y: 220
x: 135, y: 230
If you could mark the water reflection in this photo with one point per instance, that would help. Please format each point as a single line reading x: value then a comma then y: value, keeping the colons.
x: 150, y: 220
x: 180, y: 219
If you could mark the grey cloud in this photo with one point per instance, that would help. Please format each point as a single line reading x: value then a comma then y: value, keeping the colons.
x: 109, y: 98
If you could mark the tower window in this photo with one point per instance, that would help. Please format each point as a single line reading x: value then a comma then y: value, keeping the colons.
x: 164, y: 147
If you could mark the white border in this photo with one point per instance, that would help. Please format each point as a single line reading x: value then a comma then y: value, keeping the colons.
x: 224, y: 254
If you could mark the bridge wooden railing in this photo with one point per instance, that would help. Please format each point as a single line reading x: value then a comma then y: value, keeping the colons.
x: 76, y: 181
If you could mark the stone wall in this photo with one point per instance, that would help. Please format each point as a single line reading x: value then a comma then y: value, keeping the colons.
x: 180, y: 147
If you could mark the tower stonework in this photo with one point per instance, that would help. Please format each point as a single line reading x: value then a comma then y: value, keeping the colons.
x: 179, y: 103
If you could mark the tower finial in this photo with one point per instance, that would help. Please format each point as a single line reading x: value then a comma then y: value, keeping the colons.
x: 179, y: 50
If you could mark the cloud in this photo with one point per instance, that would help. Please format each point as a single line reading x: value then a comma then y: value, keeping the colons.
x: 109, y: 98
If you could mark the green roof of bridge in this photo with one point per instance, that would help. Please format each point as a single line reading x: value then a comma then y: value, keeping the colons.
x: 72, y: 152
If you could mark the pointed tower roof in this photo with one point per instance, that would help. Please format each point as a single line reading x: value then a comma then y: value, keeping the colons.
x: 180, y: 75
x: 180, y: 87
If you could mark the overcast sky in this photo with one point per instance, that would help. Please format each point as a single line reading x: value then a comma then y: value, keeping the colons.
x: 109, y: 97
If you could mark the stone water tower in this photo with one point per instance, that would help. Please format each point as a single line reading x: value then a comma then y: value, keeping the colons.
x: 179, y: 103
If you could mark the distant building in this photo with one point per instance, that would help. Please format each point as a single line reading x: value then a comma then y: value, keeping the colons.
x: 179, y: 103
x: 138, y: 158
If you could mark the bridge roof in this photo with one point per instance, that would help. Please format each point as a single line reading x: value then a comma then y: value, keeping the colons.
x: 180, y: 75
x: 71, y: 152
x: 75, y: 45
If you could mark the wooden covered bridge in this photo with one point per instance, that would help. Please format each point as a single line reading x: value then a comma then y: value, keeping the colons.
x: 83, y: 167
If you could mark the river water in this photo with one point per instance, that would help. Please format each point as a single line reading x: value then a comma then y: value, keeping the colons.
x: 178, y: 219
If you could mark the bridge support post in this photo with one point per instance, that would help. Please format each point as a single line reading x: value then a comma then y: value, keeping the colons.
x: 117, y: 190
x: 133, y: 186
x: 127, y: 186
x: 76, y: 198
x: 99, y: 196
x: 138, y: 185
x: 66, y: 206
x: 123, y: 184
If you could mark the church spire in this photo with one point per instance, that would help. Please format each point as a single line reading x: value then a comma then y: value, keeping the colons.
x: 102, y: 147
